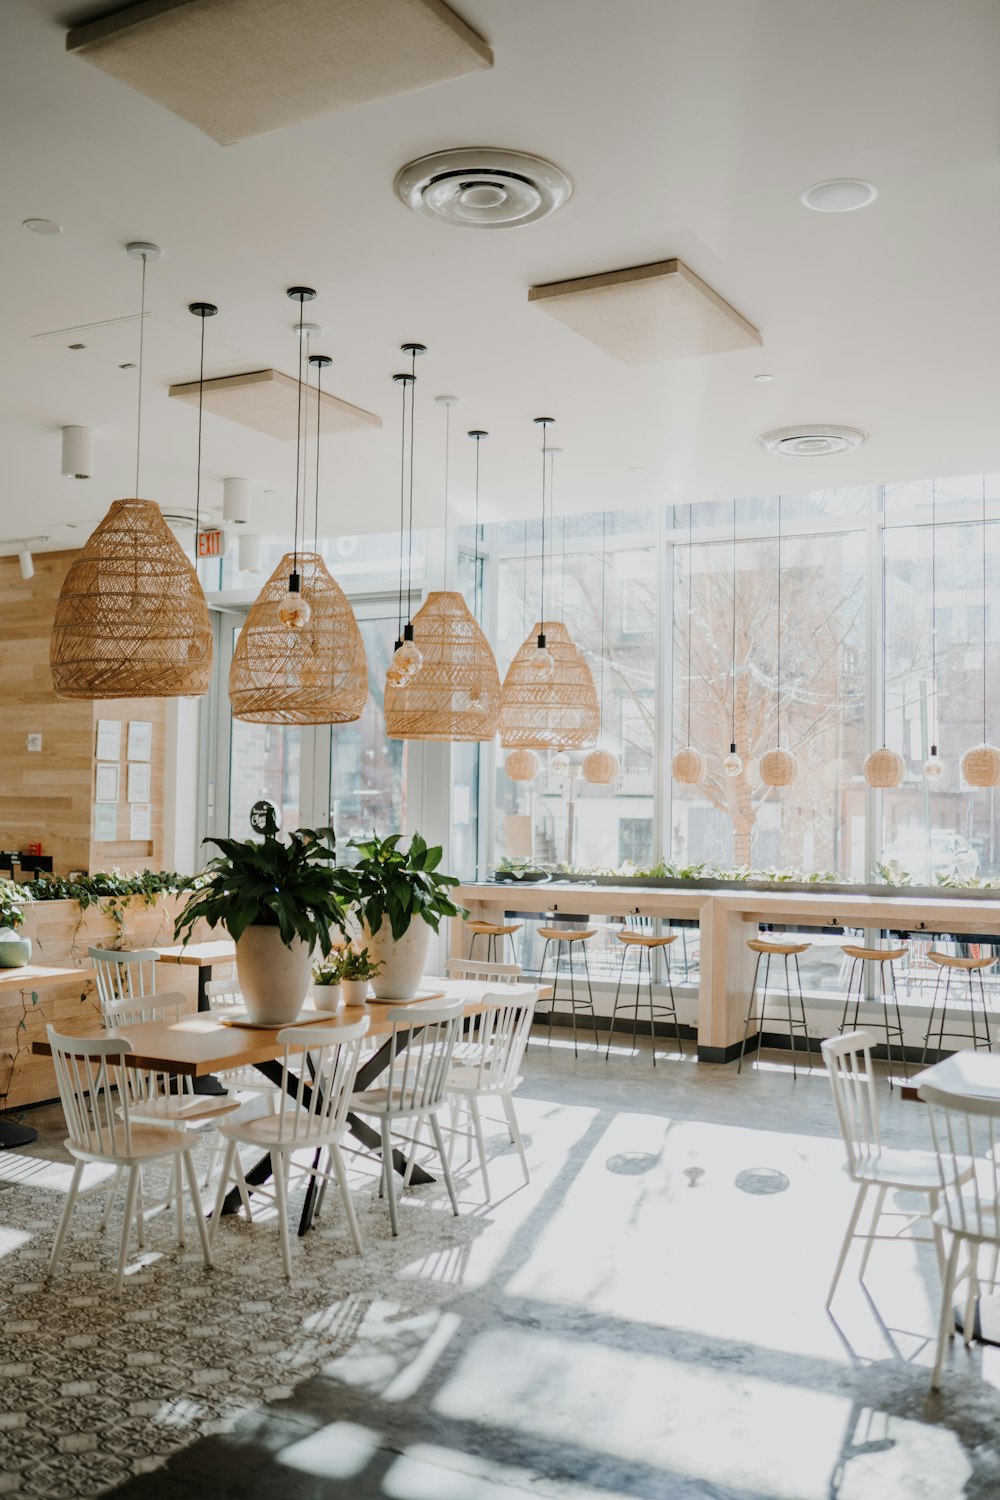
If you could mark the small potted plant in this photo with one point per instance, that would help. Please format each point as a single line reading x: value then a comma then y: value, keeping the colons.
x: 279, y: 902
x: 15, y: 951
x: 356, y: 970
x: 399, y: 897
x: 326, y: 977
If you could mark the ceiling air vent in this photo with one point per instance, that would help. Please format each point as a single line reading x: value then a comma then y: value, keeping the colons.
x: 481, y: 187
x: 812, y: 440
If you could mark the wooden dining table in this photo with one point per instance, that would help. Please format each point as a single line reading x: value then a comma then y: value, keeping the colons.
x: 197, y: 1045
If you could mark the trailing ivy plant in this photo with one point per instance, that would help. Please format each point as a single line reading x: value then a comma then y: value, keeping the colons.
x: 13, y: 898
x: 397, y: 883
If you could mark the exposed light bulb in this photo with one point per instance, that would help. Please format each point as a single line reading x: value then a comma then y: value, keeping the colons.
x: 732, y: 765
x: 407, y: 659
x: 560, y: 763
x: 294, y: 611
x: 933, y: 765
x: 542, y: 661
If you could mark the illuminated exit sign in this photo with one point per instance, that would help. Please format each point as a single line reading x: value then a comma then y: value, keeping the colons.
x: 212, y: 543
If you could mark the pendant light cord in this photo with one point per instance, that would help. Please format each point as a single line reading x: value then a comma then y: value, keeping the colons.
x: 524, y: 576
x: 690, y: 624
x: 201, y: 397
x: 732, y: 722
x: 319, y: 418
x: 544, y: 427
x: 475, y: 575
x: 447, y: 470
x: 409, y: 564
x: 142, y: 340
x: 604, y: 538
x: 779, y: 625
x: 885, y: 627
x: 934, y: 611
x: 298, y: 444
x: 402, y: 512
x: 985, y: 741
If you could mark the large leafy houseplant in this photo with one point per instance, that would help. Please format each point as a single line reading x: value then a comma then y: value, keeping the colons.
x: 400, y: 884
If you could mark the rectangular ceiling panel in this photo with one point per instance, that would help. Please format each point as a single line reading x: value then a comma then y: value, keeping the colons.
x: 267, y: 401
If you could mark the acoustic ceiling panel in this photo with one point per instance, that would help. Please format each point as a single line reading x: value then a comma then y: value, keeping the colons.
x: 646, y: 313
x: 240, y: 68
x: 267, y: 401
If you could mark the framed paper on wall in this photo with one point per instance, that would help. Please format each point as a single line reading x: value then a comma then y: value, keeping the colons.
x: 138, y: 781
x: 106, y: 784
x: 140, y: 739
x: 105, y: 822
x: 109, y: 739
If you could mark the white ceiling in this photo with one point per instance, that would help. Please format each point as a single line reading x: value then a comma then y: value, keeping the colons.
x: 689, y: 130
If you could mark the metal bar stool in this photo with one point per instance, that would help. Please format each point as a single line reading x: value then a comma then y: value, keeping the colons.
x: 563, y: 938
x: 856, y: 991
x: 768, y: 950
x: 644, y: 943
x: 492, y: 931
x: 947, y: 963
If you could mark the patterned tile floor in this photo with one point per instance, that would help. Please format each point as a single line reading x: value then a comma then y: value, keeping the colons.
x: 644, y: 1320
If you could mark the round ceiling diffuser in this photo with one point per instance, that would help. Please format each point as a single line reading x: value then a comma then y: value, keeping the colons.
x: 839, y: 195
x: 481, y: 187
x: 812, y: 440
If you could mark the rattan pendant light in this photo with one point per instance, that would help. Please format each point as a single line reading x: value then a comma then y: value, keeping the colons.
x: 548, y: 700
x: 522, y: 765
x: 934, y: 765
x: 455, y: 696
x: 778, y: 767
x: 732, y: 766
x: 601, y: 767
x: 131, y: 621
x: 981, y: 764
x: 406, y: 659
x: 884, y: 768
x: 688, y: 765
x: 299, y: 658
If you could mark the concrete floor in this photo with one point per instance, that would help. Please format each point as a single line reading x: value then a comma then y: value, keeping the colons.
x: 645, y: 1319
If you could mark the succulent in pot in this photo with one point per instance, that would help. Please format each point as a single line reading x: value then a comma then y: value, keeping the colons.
x: 399, y: 897
x: 357, y: 970
x: 280, y: 902
x: 15, y: 951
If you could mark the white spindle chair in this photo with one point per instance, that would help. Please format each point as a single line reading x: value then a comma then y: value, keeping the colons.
x: 317, y: 1076
x: 478, y: 968
x: 869, y: 1163
x: 225, y: 998
x: 102, y: 1129
x: 422, y: 1043
x: 126, y: 974
x: 969, y: 1200
x: 489, y: 1069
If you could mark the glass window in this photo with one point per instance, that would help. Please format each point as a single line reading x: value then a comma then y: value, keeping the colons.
x: 368, y: 770
x: 265, y: 763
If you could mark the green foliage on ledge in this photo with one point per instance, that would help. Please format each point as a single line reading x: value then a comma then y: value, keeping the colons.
x: 890, y: 874
x: 88, y: 890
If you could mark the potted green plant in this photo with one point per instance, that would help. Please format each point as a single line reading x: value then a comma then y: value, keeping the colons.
x: 326, y: 977
x: 14, y: 951
x: 399, y: 897
x: 279, y: 902
x: 356, y: 971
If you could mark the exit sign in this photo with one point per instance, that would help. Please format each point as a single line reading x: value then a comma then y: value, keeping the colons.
x: 212, y: 543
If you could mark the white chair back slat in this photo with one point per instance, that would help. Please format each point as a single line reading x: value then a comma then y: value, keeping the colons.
x: 501, y: 1039
x: 474, y: 968
x: 97, y: 1121
x: 224, y: 994
x: 849, y: 1066
x: 129, y: 974
x: 142, y: 1084
x: 964, y: 1129
x: 317, y: 1075
x: 418, y: 1072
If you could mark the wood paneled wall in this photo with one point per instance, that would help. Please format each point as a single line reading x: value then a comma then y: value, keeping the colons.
x: 47, y: 796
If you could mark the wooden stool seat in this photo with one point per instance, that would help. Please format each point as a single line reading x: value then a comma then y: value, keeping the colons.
x: 492, y: 934
x: 493, y: 929
x: 873, y: 955
x: 784, y: 950
x: 565, y: 934
x: 644, y: 939
x: 566, y: 968
x: 955, y: 961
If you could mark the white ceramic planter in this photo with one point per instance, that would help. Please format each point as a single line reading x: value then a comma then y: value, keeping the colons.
x: 274, y: 980
x: 326, y: 996
x: 403, y: 962
x: 355, y: 991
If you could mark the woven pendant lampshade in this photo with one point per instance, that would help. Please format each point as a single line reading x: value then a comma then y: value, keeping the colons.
x: 557, y: 712
x: 455, y: 696
x: 131, y: 621
x: 522, y: 765
x: 981, y: 765
x: 778, y: 767
x: 600, y: 768
x: 688, y: 766
x: 314, y: 675
x: 884, y: 768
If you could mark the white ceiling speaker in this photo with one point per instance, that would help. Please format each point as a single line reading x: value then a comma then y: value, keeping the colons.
x: 839, y: 195
x: 26, y: 563
x: 812, y: 440
x: 236, y: 501
x: 77, y: 452
x: 250, y: 554
x: 481, y: 187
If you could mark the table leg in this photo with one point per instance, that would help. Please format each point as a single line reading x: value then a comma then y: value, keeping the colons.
x: 209, y: 1084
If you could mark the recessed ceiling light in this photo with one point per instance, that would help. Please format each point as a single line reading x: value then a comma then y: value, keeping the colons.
x: 763, y: 379
x: 840, y: 195
x: 42, y: 226
x: 812, y: 440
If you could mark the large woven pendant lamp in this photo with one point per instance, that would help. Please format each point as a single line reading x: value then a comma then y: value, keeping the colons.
x: 884, y: 768
x: 601, y: 767
x: 455, y: 695
x: 981, y: 764
x: 934, y: 765
x: 548, y: 700
x: 732, y: 766
x: 407, y: 658
x: 688, y: 765
x: 778, y: 767
x: 131, y: 621
x: 299, y: 658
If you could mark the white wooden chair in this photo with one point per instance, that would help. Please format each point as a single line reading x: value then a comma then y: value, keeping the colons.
x: 869, y: 1163
x: 128, y: 974
x: 479, y: 968
x: 317, y: 1074
x: 968, y: 1207
x: 489, y: 1069
x: 102, y: 1129
x: 416, y: 1084
x: 225, y: 997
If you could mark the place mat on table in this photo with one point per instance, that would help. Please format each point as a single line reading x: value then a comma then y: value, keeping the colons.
x: 304, y: 1018
x: 420, y: 995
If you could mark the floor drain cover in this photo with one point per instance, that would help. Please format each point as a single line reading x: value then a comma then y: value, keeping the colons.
x: 632, y: 1163
x: 762, y: 1180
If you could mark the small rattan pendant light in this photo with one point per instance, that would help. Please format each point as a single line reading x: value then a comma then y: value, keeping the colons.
x: 601, y: 767
x: 406, y: 659
x: 884, y: 768
x: 548, y: 700
x: 934, y: 765
x: 732, y: 766
x: 455, y: 696
x: 300, y: 671
x: 981, y: 764
x: 778, y: 767
x: 131, y: 620
x: 688, y: 765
